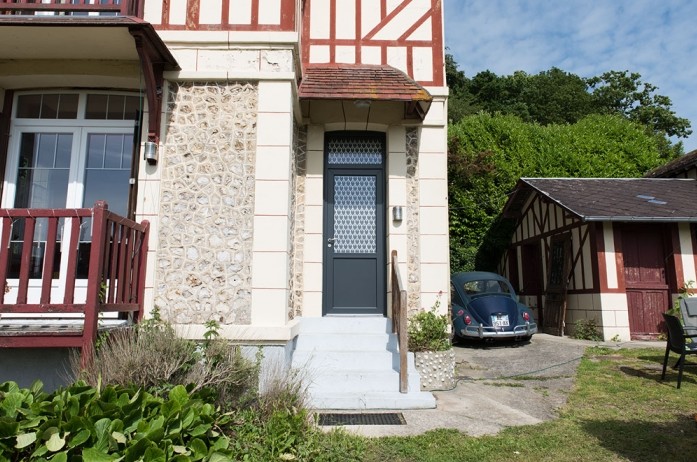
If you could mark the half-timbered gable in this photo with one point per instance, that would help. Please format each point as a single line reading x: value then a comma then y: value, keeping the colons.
x: 625, y: 247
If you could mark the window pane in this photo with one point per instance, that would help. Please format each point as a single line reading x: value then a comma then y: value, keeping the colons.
x: 115, y: 110
x: 29, y: 106
x: 109, y: 181
x: 96, y: 106
x: 132, y: 108
x: 64, y: 150
x: 95, y: 151
x: 107, y: 185
x: 114, y: 149
x: 49, y: 106
x: 47, y: 149
x: 68, y: 106
x: 40, y: 184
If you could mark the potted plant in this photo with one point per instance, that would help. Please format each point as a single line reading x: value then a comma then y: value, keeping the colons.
x: 429, y: 340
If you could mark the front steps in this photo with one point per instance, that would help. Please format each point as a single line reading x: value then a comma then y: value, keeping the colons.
x: 353, y: 363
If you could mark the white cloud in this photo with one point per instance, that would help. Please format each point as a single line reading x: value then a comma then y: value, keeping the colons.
x: 585, y: 37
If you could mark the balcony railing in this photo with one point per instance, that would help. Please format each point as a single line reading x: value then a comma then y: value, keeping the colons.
x: 56, y: 272
x: 72, y: 7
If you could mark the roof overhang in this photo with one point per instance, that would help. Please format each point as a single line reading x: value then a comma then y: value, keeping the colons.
x: 351, y: 92
x: 38, y: 49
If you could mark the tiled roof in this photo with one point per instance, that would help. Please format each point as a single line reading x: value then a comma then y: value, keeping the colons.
x: 603, y: 199
x: 675, y: 167
x: 360, y: 81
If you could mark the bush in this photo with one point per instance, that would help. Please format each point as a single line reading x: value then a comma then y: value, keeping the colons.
x: 428, y: 330
x: 586, y: 329
x: 152, y: 356
x: 113, y: 423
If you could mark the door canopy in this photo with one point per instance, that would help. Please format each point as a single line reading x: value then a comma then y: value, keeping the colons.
x: 350, y: 91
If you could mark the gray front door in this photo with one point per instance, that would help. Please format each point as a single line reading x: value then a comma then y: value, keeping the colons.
x: 354, y: 224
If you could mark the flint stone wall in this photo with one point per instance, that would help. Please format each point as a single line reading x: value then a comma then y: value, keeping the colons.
x: 436, y: 368
x: 207, y: 203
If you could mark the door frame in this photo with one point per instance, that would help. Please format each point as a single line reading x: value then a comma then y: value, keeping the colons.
x: 381, y: 224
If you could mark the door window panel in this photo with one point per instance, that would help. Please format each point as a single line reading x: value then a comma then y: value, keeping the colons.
x: 108, y: 170
x: 355, y: 211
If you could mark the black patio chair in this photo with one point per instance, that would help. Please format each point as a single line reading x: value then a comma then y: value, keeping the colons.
x: 688, y: 310
x: 677, y: 344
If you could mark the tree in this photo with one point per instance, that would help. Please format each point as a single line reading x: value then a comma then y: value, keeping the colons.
x: 624, y: 93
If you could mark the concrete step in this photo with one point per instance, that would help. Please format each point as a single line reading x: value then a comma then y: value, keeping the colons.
x: 346, y: 342
x: 353, y: 363
x: 346, y: 325
x: 344, y: 360
x: 372, y: 400
x: 359, y: 381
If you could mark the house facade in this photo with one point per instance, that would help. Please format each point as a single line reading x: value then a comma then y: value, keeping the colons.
x: 279, y: 151
x: 614, y: 251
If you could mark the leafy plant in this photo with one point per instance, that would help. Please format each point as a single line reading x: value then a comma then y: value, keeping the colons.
x: 117, y: 423
x: 428, y: 330
x: 687, y: 290
x: 586, y: 329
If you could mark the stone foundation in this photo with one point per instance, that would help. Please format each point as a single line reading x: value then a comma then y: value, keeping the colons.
x: 436, y: 368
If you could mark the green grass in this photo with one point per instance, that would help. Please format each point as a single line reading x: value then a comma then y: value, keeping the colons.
x: 619, y: 410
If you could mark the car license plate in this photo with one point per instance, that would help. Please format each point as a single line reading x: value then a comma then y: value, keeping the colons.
x: 499, y: 320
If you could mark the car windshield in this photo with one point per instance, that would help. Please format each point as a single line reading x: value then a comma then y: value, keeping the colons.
x: 485, y: 286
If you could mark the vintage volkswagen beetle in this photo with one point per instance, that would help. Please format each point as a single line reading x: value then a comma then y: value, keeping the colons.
x: 485, y: 306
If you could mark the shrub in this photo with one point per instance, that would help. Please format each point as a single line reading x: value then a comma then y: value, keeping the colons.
x: 152, y: 356
x: 586, y: 329
x: 428, y: 330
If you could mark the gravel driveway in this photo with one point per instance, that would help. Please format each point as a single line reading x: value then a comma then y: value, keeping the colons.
x: 487, y: 398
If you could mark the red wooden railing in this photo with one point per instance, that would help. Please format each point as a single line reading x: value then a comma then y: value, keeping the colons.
x: 114, y: 266
x: 399, y: 323
x: 69, y: 7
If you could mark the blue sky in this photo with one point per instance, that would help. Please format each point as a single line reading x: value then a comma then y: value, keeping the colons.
x: 656, y: 38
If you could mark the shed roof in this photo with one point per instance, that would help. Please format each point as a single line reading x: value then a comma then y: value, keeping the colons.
x: 675, y: 167
x: 610, y: 199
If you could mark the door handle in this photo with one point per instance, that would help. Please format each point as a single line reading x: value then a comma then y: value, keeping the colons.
x: 331, y: 241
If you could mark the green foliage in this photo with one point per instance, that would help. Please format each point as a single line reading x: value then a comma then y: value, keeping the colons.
x: 130, y: 424
x: 624, y: 93
x: 152, y: 356
x: 687, y: 290
x: 117, y: 423
x: 586, y: 329
x: 428, y: 330
x: 487, y: 154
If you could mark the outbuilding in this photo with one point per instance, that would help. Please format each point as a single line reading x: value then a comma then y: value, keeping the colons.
x: 613, y: 251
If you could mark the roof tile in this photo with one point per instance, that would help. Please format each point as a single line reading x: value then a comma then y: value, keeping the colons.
x: 360, y: 81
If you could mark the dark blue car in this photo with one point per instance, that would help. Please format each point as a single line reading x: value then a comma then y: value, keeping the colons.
x: 485, y: 306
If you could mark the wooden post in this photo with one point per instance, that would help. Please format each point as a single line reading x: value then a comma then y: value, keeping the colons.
x: 142, y: 265
x: 94, y: 281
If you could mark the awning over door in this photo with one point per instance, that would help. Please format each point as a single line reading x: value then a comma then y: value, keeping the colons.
x: 336, y: 91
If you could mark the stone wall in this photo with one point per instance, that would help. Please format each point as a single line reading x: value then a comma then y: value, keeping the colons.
x: 297, y: 220
x: 413, y: 259
x: 207, y: 203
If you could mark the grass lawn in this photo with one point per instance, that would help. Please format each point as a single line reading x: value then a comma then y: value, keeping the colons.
x: 619, y: 410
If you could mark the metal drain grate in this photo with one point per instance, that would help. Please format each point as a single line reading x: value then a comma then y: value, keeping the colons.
x: 381, y: 418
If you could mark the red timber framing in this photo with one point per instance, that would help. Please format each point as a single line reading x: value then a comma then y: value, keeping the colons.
x: 115, y: 275
x: 61, y: 7
x: 542, y: 220
x: 371, y: 37
x: 228, y: 22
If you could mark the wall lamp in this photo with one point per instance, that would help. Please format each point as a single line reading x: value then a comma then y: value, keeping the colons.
x: 150, y: 152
